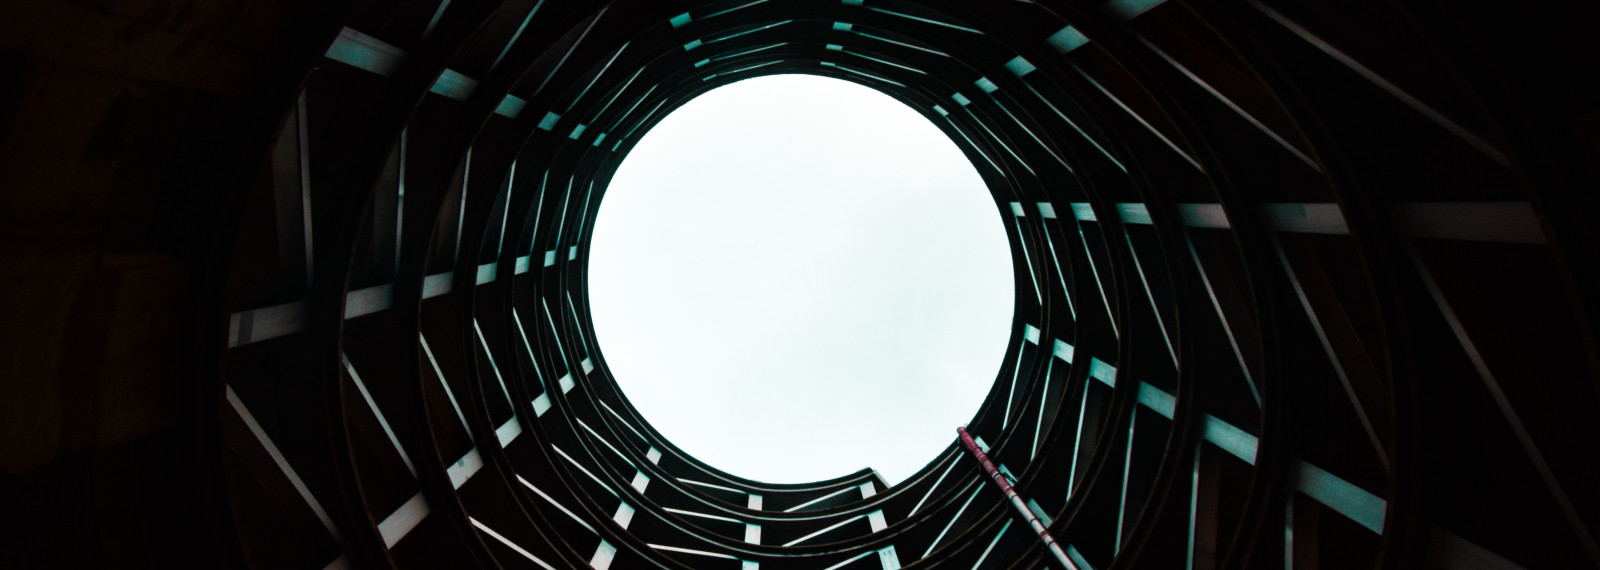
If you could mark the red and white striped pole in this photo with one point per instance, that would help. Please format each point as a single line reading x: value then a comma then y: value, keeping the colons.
x: 1016, y: 501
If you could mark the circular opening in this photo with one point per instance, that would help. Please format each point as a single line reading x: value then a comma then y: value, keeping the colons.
x: 794, y: 277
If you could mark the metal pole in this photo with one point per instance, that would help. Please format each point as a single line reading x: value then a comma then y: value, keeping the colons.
x: 1016, y: 501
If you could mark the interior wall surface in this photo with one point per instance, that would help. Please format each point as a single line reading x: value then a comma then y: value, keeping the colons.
x: 1299, y: 284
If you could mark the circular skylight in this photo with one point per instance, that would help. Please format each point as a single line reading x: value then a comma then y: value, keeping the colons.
x: 794, y: 277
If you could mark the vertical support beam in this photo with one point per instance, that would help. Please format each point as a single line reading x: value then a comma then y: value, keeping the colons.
x: 305, y: 186
x: 400, y: 205
x: 1127, y: 466
x: 1339, y: 339
x: 461, y: 207
x: 1228, y: 324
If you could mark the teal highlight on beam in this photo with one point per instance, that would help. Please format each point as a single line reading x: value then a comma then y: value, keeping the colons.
x: 1130, y: 9
x: 1099, y: 370
x: 1231, y: 439
x: 454, y: 85
x: 1020, y: 66
x: 510, y: 107
x: 1084, y: 212
x: 1063, y: 351
x: 1067, y: 39
x: 1355, y: 503
x: 1077, y: 558
x: 986, y: 85
x: 962, y: 99
x: 365, y: 52
x: 549, y: 121
x: 1038, y: 511
x: 680, y: 20
x: 842, y: 26
x: 1134, y: 213
x: 1157, y: 400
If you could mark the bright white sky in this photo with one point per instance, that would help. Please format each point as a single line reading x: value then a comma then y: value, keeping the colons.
x: 794, y: 277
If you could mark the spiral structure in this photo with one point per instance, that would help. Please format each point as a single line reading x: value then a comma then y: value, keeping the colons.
x: 1300, y: 284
